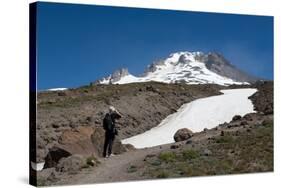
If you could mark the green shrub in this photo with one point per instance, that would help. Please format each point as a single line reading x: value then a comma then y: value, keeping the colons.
x: 131, y: 169
x: 224, y: 139
x: 92, y: 161
x: 162, y: 174
x: 190, y: 154
x: 167, y: 156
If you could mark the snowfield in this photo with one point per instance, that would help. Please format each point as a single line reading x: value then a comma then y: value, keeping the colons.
x: 197, y: 115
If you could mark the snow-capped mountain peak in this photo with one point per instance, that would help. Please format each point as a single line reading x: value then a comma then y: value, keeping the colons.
x: 185, y: 67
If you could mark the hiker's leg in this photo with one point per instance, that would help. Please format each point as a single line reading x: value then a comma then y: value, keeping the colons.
x: 106, y: 142
x: 110, y: 143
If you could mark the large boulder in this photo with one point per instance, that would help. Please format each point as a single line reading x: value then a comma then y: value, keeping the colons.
x: 97, y: 139
x: 71, y: 164
x: 71, y: 142
x: 183, y: 134
x: 77, y: 141
x: 54, y: 155
x: 83, y: 141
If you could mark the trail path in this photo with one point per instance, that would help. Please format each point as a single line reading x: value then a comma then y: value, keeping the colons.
x: 112, y: 169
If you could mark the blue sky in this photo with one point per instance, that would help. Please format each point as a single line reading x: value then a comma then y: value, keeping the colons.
x: 77, y: 44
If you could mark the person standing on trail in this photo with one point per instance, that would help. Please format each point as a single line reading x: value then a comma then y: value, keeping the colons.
x: 110, y: 130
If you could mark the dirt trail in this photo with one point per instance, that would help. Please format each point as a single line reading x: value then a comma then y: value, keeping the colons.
x: 113, y: 169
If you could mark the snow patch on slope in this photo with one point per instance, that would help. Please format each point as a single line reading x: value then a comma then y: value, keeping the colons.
x: 197, y: 115
x: 57, y: 89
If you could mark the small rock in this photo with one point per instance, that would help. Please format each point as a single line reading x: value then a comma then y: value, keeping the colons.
x: 244, y: 123
x: 268, y: 109
x: 61, y: 93
x: 217, y: 128
x: 53, y: 177
x: 73, y: 125
x: 52, y: 101
x: 97, y: 122
x: 150, y: 155
x: 248, y: 117
x: 54, y: 125
x: 207, y: 152
x: 188, y: 142
x: 267, y: 122
x: 129, y: 147
x: 223, y: 124
x: 92, y: 163
x: 236, y: 117
x: 174, y: 146
x: 89, y: 119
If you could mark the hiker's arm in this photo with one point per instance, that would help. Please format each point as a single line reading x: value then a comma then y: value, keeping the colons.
x: 117, y: 115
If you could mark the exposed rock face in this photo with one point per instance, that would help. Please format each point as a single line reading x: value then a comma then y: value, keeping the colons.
x: 117, y: 75
x: 114, y: 77
x: 218, y: 64
x: 263, y: 99
x: 152, y: 67
x: 183, y: 134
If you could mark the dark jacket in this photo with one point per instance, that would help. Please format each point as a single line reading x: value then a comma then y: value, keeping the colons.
x: 109, y: 123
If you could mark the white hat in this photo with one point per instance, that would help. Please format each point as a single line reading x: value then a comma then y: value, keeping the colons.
x: 112, y: 109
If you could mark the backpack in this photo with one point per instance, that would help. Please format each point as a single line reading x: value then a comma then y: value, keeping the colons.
x: 107, y: 123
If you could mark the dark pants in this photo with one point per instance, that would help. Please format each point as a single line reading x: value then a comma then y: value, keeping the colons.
x: 108, y: 142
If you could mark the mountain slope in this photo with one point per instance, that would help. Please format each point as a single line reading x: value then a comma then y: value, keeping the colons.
x: 185, y: 67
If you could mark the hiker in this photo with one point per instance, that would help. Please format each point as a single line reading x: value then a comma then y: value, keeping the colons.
x: 110, y: 130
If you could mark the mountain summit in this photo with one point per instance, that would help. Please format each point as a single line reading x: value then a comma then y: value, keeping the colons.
x: 185, y: 67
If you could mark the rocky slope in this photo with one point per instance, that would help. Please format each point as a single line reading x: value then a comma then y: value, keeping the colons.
x: 186, y: 67
x: 68, y: 118
x: 243, y: 145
